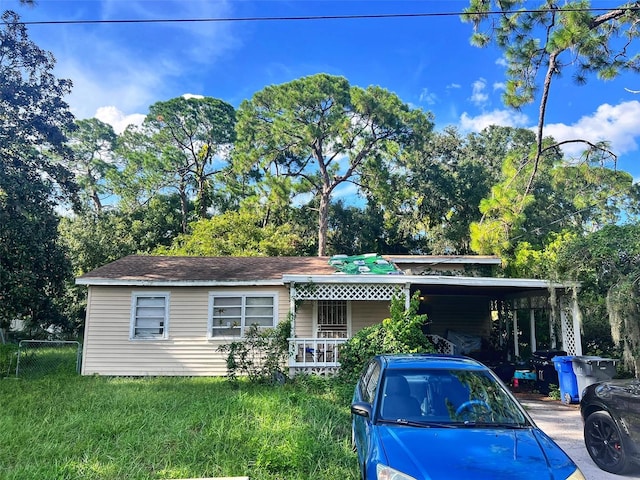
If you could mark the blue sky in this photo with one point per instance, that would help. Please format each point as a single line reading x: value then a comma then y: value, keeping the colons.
x: 119, y: 70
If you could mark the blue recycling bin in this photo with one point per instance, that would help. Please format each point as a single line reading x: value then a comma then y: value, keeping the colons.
x: 566, y: 378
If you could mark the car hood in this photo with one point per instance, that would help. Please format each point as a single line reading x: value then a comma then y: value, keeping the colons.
x: 464, y: 453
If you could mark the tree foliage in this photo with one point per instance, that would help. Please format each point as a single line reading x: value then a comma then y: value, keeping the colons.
x: 563, y: 197
x: 607, y: 263
x: 319, y: 132
x: 34, y: 117
x: 401, y: 332
x: 93, y: 144
x: 95, y: 239
x: 542, y: 44
x: 234, y: 234
x: 183, y: 146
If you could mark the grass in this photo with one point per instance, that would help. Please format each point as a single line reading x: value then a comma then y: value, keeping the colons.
x: 72, y: 427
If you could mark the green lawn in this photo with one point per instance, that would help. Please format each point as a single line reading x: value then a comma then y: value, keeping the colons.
x: 71, y: 427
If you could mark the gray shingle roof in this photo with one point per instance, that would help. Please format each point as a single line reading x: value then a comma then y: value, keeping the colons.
x: 194, y: 269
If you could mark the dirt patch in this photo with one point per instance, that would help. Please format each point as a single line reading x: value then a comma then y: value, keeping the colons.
x: 539, y: 397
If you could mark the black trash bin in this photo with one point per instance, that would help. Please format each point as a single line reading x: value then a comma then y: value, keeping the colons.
x: 546, y: 373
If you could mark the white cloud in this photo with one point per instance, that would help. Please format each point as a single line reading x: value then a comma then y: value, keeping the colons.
x: 133, y: 67
x: 428, y: 97
x: 117, y: 119
x: 133, y: 86
x: 478, y: 95
x: 504, y: 118
x: 188, y: 96
x: 617, y: 124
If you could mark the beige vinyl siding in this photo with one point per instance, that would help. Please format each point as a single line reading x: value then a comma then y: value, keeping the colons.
x: 304, y: 320
x: 108, y: 350
x: 367, y: 313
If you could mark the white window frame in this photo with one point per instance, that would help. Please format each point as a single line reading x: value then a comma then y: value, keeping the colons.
x: 243, y: 296
x: 135, y: 296
x: 316, y: 331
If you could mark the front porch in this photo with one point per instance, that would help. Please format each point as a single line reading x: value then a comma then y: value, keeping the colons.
x: 518, y: 316
x: 315, y: 355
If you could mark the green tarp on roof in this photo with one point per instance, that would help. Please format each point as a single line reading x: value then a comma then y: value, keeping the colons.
x: 370, y: 263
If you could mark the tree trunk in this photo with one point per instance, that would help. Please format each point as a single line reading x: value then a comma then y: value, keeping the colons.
x: 202, y: 196
x: 323, y: 222
x: 97, y: 204
x: 184, y: 209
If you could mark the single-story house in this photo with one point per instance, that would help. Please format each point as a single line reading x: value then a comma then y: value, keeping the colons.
x: 164, y: 315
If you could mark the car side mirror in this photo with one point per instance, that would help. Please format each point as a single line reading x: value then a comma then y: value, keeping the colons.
x: 362, y: 409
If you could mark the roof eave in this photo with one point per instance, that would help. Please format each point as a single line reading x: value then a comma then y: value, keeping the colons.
x: 176, y: 283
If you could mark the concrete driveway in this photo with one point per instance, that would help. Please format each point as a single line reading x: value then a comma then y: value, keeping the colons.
x: 563, y: 423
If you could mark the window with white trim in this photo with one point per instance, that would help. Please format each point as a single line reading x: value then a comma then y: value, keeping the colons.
x: 232, y: 315
x: 332, y: 318
x: 149, y: 315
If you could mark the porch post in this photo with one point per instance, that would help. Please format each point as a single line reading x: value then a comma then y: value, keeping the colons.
x: 407, y: 296
x: 516, y: 347
x: 532, y: 329
x: 292, y: 308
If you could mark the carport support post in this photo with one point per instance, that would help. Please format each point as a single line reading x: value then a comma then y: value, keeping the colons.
x: 532, y: 327
x: 516, y: 347
x: 570, y: 323
x: 552, y: 330
x: 575, y: 313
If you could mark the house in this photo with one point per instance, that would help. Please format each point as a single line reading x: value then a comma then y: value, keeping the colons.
x: 160, y: 315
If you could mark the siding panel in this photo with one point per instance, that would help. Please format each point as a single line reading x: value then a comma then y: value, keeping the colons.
x: 108, y: 350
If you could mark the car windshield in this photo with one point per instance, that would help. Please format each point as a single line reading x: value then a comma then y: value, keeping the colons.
x: 462, y: 397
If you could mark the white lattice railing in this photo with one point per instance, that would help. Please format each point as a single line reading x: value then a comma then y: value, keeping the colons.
x: 347, y: 291
x: 443, y: 345
x: 314, y: 352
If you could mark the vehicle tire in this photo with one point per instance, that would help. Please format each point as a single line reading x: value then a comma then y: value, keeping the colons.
x: 605, y: 444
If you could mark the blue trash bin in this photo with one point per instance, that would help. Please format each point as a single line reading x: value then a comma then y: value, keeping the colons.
x: 567, y: 379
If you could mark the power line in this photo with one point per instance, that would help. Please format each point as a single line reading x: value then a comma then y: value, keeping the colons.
x: 317, y: 17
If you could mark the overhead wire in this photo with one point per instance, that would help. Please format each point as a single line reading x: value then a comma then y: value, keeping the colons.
x: 319, y: 17
x: 631, y: 8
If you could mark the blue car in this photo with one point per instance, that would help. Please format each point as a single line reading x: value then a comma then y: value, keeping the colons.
x: 435, y: 417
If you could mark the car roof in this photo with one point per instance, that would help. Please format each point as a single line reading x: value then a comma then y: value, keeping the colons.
x: 429, y: 361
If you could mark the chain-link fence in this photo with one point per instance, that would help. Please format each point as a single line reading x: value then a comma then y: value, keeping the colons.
x: 37, y: 358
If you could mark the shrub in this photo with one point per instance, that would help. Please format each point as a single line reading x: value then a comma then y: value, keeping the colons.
x: 400, y: 333
x: 260, y: 355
